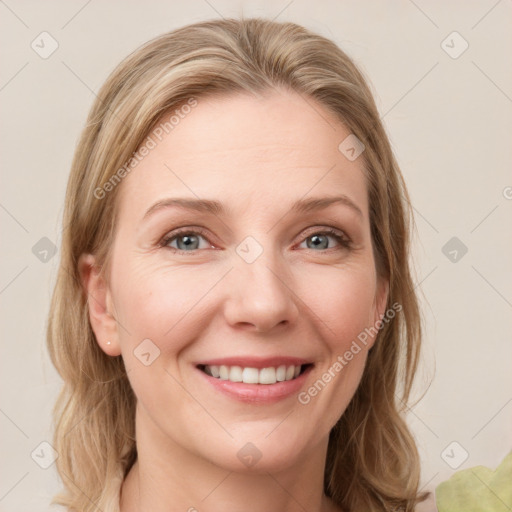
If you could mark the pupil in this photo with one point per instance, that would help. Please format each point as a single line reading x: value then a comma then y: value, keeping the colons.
x: 188, y: 242
x: 318, y: 241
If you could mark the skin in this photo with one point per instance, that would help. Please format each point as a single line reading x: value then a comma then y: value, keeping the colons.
x: 256, y: 155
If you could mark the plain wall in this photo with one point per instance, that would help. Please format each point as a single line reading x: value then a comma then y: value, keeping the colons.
x: 449, y: 120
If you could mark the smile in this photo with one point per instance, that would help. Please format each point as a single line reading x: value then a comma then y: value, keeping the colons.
x: 248, y: 375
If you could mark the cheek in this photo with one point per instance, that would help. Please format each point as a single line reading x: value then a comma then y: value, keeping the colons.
x: 344, y: 301
x: 163, y: 305
x: 157, y: 302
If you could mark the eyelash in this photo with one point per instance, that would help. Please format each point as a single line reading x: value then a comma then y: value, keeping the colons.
x: 342, y: 239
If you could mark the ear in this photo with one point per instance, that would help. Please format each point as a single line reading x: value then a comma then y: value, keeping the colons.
x: 380, y: 302
x: 100, y: 305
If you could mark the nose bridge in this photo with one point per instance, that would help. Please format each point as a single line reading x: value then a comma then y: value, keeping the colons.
x: 258, y: 293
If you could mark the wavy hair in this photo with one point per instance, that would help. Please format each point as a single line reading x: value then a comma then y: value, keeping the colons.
x: 372, y: 461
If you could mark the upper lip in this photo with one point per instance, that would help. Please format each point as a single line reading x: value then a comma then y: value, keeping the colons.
x: 255, y: 362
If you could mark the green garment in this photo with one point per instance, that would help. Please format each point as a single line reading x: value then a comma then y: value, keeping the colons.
x: 477, y: 489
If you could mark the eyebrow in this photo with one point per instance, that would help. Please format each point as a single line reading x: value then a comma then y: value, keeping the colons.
x: 216, y: 208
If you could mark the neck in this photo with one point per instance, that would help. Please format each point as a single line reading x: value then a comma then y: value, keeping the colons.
x: 166, y: 474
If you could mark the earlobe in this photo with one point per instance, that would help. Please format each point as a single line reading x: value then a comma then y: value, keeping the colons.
x: 98, y: 296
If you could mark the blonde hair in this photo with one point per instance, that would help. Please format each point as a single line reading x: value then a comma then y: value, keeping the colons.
x: 372, y: 461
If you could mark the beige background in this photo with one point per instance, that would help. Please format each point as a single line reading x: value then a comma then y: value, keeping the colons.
x: 450, y: 123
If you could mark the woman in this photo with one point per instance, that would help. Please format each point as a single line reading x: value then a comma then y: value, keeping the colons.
x: 234, y: 318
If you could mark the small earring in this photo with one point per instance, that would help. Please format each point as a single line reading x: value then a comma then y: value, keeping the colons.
x: 108, y: 342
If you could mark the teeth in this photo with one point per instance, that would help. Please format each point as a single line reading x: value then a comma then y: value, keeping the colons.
x: 253, y: 375
x: 223, y: 373
x: 235, y: 374
x: 268, y: 376
x: 250, y: 376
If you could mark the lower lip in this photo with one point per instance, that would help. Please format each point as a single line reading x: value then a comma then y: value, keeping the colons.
x: 258, y: 393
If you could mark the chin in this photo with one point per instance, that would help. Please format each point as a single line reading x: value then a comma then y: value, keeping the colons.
x: 258, y: 454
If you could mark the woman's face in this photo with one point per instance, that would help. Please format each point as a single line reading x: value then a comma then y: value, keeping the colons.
x: 252, y: 269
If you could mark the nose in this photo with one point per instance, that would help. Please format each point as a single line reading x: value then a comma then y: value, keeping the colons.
x: 259, y: 296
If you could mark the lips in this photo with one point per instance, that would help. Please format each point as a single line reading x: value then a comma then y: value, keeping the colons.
x: 251, y: 379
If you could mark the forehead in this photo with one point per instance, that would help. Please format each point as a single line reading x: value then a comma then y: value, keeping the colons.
x: 245, y: 150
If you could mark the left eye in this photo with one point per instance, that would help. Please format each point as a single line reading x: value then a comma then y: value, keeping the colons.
x: 320, y: 240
